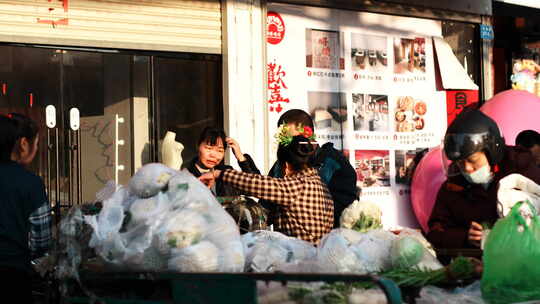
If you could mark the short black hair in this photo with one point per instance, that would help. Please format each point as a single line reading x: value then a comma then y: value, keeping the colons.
x: 8, y: 138
x: 296, y: 116
x: 210, y: 135
x: 26, y: 127
x: 528, y: 138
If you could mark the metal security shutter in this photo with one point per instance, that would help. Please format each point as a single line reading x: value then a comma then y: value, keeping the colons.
x: 164, y: 25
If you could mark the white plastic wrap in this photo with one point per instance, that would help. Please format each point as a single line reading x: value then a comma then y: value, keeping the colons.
x: 181, y: 227
x: 515, y: 188
x: 406, y: 252
x: 335, y: 254
x: 150, y: 179
x: 429, y: 259
x: 373, y: 251
x: 268, y: 251
x: 468, y: 295
x: 201, y: 257
x: 348, y: 251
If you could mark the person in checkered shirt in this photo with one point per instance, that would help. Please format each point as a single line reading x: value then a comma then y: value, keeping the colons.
x: 305, y: 206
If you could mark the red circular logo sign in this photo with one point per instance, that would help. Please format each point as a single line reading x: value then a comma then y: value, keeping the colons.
x: 275, y: 28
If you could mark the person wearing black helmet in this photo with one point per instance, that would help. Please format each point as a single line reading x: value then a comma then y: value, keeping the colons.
x: 477, y: 159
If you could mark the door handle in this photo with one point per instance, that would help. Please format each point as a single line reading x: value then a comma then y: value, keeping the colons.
x: 52, y: 148
x: 117, y: 143
x: 75, y: 193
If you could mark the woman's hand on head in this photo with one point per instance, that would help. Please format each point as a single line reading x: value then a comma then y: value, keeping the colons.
x: 236, y: 149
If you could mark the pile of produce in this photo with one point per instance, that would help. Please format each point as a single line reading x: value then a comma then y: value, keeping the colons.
x: 165, y: 220
x: 366, y: 250
x: 267, y: 251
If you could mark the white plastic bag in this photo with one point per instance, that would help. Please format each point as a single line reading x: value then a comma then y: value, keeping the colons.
x: 373, y: 251
x: 174, y: 222
x: 268, y: 251
x: 468, y: 295
x: 515, y: 188
x: 334, y: 254
x: 150, y: 179
x: 201, y: 257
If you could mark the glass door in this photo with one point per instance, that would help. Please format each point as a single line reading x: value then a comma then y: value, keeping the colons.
x: 107, y: 110
x: 90, y: 95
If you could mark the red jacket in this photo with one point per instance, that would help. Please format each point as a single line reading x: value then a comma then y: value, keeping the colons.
x: 459, y: 202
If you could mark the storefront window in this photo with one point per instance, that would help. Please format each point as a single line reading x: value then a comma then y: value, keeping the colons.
x: 126, y: 103
x: 188, y: 98
x: 462, y: 38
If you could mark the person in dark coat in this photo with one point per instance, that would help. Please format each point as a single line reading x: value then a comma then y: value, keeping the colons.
x: 211, y: 145
x: 467, y: 200
x: 333, y: 167
x: 25, y: 214
x: 530, y: 139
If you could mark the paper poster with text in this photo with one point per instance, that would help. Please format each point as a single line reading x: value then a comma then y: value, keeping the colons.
x: 368, y: 82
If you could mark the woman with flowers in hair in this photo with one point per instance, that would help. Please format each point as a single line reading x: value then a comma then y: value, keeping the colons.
x: 304, y: 205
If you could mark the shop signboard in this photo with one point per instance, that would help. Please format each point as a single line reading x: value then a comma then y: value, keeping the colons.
x: 457, y: 100
x: 368, y: 81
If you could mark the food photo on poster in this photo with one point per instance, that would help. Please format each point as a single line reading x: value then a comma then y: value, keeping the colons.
x: 410, y: 55
x: 372, y: 168
x: 409, y: 114
x: 369, y: 53
x: 324, y: 50
x: 370, y: 112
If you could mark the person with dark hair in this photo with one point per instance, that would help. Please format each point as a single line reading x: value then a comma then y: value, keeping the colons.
x: 478, y: 159
x: 211, y: 148
x: 304, y: 204
x: 333, y: 167
x: 25, y: 214
x: 530, y: 140
x: 27, y: 132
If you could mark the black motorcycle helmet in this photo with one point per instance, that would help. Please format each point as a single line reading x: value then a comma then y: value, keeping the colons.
x: 473, y: 131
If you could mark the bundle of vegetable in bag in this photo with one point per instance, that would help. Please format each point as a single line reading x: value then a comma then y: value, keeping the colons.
x: 361, y: 216
x: 412, y: 250
x: 267, y: 251
x: 166, y: 219
x: 409, y: 249
x: 511, y: 253
x: 374, y: 251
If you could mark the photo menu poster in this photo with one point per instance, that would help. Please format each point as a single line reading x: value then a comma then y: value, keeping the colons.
x: 368, y: 82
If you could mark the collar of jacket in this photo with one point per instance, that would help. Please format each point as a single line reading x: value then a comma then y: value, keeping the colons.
x: 305, y: 172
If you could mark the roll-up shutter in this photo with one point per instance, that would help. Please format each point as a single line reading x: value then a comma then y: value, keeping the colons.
x: 164, y: 25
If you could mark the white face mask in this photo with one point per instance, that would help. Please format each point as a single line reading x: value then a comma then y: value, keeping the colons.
x: 480, y: 176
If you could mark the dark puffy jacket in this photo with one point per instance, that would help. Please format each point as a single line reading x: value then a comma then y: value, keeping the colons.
x: 223, y: 189
x: 336, y: 172
x: 459, y: 202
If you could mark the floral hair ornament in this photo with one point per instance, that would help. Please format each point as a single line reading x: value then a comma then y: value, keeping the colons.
x: 284, y: 135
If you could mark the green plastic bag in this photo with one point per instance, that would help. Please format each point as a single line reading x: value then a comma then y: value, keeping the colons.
x: 512, y: 259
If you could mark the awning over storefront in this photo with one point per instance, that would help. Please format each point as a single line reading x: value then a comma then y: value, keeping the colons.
x: 478, y: 7
x: 529, y: 3
x: 455, y: 10
x: 180, y: 26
